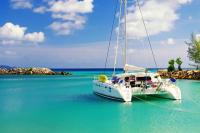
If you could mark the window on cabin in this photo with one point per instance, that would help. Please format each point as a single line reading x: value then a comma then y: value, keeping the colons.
x: 143, y: 78
x: 126, y: 79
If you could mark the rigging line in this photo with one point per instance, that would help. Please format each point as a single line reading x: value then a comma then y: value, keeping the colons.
x: 137, y: 1
x: 118, y: 32
x: 111, y: 33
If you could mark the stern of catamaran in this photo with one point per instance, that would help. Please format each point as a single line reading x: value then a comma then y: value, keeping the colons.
x: 173, y: 90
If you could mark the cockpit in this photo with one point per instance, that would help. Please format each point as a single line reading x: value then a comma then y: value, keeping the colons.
x: 143, y: 81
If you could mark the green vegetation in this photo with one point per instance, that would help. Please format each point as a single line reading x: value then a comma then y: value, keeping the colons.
x: 179, y: 63
x: 171, y: 65
x: 172, y: 62
x: 194, y: 51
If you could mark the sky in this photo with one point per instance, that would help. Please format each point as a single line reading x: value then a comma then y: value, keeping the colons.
x: 75, y: 33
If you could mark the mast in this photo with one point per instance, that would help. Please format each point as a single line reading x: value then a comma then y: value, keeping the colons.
x: 118, y: 33
x: 123, y: 10
x: 125, y: 32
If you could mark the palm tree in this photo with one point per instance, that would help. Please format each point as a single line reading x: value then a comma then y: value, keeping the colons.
x: 171, y: 65
x: 179, y: 63
x: 194, y: 51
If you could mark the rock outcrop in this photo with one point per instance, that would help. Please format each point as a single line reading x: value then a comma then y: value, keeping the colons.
x: 184, y: 74
x: 3, y: 71
x: 31, y: 71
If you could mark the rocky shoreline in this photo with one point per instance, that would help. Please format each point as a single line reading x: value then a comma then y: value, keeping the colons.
x: 31, y: 71
x: 184, y: 74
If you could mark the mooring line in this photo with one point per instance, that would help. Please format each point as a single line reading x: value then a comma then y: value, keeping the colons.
x: 163, y: 107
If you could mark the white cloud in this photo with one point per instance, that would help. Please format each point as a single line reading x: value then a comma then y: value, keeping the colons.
x: 62, y: 28
x: 198, y: 37
x: 41, y: 9
x: 15, y: 34
x: 77, y: 56
x: 66, y: 28
x: 184, y: 1
x: 70, y: 22
x: 11, y: 31
x: 21, y: 4
x: 9, y: 42
x: 71, y: 13
x: 68, y: 15
x: 71, y: 6
x: 131, y: 50
x: 169, y: 41
x: 34, y: 37
x: 160, y: 16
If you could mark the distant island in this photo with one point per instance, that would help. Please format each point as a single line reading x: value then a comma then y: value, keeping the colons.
x: 7, y: 70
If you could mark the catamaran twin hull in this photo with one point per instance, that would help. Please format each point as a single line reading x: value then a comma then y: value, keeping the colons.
x: 124, y: 92
x: 126, y: 85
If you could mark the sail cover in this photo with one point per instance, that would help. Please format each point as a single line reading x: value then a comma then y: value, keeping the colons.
x: 128, y: 67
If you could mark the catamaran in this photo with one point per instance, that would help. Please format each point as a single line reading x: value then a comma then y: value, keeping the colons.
x: 134, y: 81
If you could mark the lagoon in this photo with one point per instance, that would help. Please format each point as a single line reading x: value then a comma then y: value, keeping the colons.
x: 66, y: 104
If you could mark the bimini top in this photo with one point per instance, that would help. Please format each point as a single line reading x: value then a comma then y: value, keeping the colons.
x: 128, y: 67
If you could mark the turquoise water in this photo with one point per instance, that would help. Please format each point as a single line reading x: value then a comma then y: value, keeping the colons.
x: 60, y: 104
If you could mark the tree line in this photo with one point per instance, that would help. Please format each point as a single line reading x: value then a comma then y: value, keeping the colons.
x: 193, y: 55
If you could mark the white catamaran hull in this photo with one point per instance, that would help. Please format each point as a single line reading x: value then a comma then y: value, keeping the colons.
x: 173, y: 92
x: 125, y: 94
x: 112, y: 92
x: 169, y: 93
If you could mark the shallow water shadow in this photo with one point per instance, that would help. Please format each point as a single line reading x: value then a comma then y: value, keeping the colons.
x: 142, y: 98
x: 149, y: 98
x: 92, y: 98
